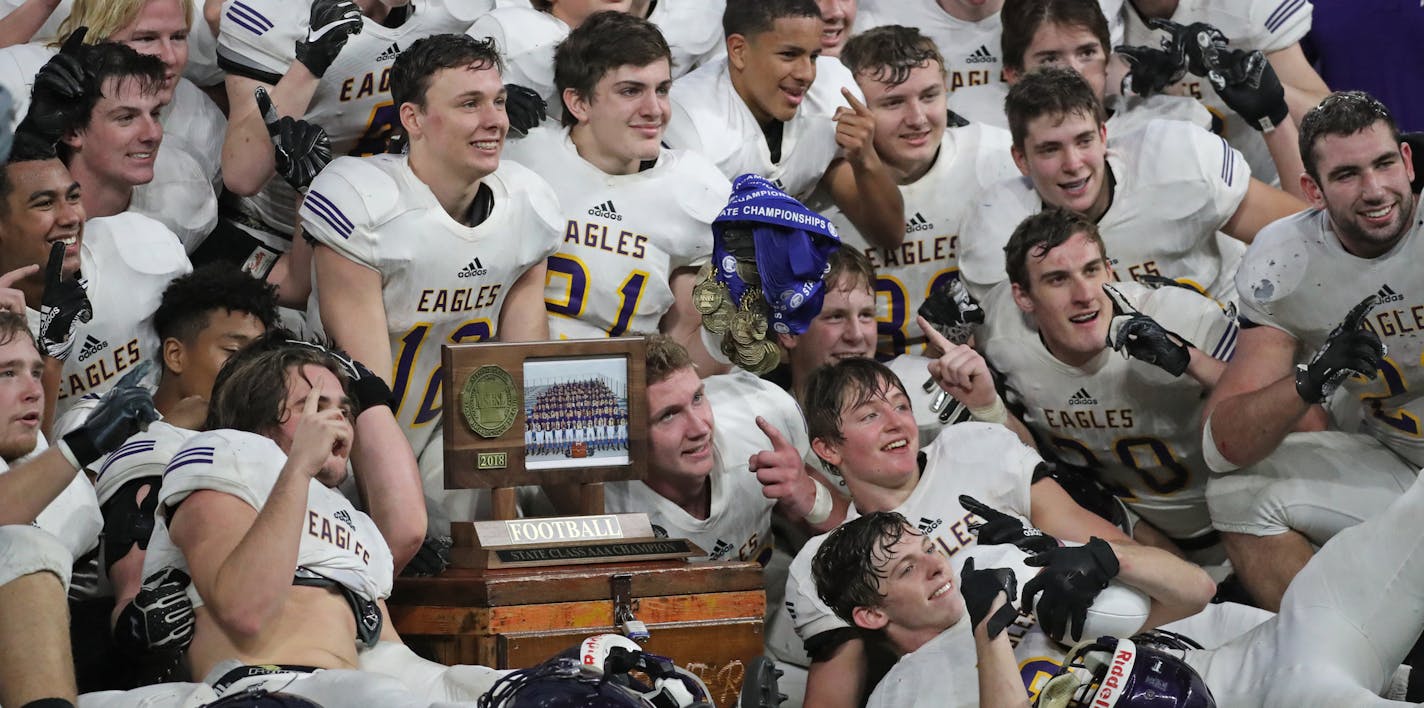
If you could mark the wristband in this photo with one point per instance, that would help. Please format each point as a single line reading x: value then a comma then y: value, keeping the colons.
x: 68, y: 454
x: 992, y: 413
x: 821, y: 508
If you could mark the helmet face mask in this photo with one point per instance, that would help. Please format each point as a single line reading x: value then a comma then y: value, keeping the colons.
x: 1121, y: 673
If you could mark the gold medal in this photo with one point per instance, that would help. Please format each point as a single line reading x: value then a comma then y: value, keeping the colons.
x: 717, y: 321
x: 741, y: 327
x: 768, y: 357
x: 758, y: 325
x: 708, y: 295
x: 729, y: 349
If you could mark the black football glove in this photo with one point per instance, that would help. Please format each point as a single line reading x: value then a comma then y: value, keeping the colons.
x: 123, y: 411
x: 980, y: 587
x: 300, y: 148
x: 332, y: 23
x: 432, y: 558
x: 63, y: 306
x: 58, y: 92
x: 367, y: 388
x: 1152, y: 70
x: 1197, y: 43
x: 999, y: 528
x: 160, y: 617
x: 1071, y: 579
x: 953, y: 311
x: 525, y: 107
x: 1249, y: 86
x: 1349, y: 350
x: 1140, y: 337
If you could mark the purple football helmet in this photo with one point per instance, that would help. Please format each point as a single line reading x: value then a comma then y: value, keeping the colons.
x: 1122, y: 673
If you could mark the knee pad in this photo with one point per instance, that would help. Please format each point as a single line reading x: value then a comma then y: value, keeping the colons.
x: 128, y: 522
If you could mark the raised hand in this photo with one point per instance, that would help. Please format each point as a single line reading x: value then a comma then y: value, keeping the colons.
x: 1071, y: 579
x: 960, y: 371
x: 1248, y: 84
x: 12, y: 299
x: 1152, y: 70
x: 1000, y: 528
x: 952, y: 311
x: 989, y: 597
x: 123, y: 411
x: 319, y: 434
x: 1196, y: 43
x: 782, y: 473
x: 1140, y: 337
x: 63, y: 306
x: 332, y: 23
x: 525, y: 107
x: 301, y: 149
x: 1349, y: 350
x: 59, y: 89
x: 855, y: 131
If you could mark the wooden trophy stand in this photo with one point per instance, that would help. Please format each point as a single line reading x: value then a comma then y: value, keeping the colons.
x: 521, y: 590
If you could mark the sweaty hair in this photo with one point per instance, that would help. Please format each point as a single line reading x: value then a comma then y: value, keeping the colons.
x: 27, y: 147
x: 105, y: 61
x: 752, y: 17
x: 190, y: 299
x: 665, y: 357
x: 1035, y: 236
x: 849, y: 262
x: 415, y: 67
x: 1022, y: 18
x: 887, y: 54
x: 1049, y: 91
x: 604, y: 42
x: 846, y: 384
x: 105, y: 17
x: 13, y: 326
x: 1341, y: 113
x: 250, y: 392
x: 849, y: 566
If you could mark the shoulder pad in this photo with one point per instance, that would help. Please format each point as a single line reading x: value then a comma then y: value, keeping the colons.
x: 370, y: 179
x: 519, y: 179
x: 703, y: 190
x: 141, y: 243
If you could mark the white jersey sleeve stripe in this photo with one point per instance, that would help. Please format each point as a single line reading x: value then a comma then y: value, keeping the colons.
x: 324, y: 208
x: 1283, y: 12
x: 1226, y: 346
x: 133, y: 448
x: 191, y: 456
x: 248, y: 18
x: 1228, y: 163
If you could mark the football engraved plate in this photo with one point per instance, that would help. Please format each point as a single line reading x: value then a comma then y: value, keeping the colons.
x: 489, y: 401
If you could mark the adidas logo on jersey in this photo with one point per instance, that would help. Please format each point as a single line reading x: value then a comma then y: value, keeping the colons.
x: 929, y: 525
x: 91, y: 347
x: 1082, y: 398
x: 475, y: 268
x: 1387, y: 294
x: 606, y: 211
x: 390, y: 54
x: 344, y: 517
x: 791, y: 609
x: 918, y: 223
x: 720, y: 549
x: 982, y: 55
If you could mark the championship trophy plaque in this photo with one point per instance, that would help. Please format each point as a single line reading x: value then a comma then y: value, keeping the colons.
x: 566, y: 415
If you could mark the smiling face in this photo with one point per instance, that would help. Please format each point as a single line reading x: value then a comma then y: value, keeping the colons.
x: 463, y: 122
x: 680, y: 428
x: 1072, y: 46
x: 622, y: 123
x: 21, y: 396
x: 919, y: 595
x: 43, y: 207
x: 299, y: 384
x: 1065, y: 296
x: 909, y: 117
x: 121, y: 141
x: 879, y: 441
x: 1364, y: 186
x: 839, y: 19
x: 844, y: 328
x: 160, y: 29
x: 1065, y: 157
x: 773, y: 70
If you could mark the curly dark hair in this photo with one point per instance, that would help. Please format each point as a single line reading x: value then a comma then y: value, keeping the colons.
x: 850, y: 564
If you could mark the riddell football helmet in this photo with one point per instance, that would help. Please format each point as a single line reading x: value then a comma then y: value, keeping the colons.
x: 1122, y: 673
x: 568, y: 682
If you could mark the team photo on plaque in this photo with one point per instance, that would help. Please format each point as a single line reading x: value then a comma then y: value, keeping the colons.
x: 575, y: 412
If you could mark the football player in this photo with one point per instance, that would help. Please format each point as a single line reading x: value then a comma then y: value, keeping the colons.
x: 1159, y: 194
x: 774, y: 107
x: 637, y: 216
x: 1054, y: 332
x: 859, y: 419
x: 327, y: 61
x: 418, y: 250
x: 966, y: 32
x: 902, y: 76
x: 1353, y: 252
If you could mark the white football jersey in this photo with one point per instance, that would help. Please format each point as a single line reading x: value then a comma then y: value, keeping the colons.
x: 526, y: 38
x: 984, y: 461
x: 1265, y: 25
x: 693, y: 30
x: 623, y: 235
x: 1296, y: 277
x: 180, y: 197
x: 199, y: 128
x: 1129, y: 423
x: 985, y: 104
x: 441, y: 281
x: 143, y: 455
x: 127, y: 260
x: 73, y: 517
x: 708, y: 116
x: 353, y: 99
x: 338, y: 542
x: 970, y: 158
x: 972, y: 52
x: 1177, y: 185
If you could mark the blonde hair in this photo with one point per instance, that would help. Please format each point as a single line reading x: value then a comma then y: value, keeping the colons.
x: 105, y: 17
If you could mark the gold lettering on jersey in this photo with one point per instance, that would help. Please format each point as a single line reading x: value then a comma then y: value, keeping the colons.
x: 1111, y: 419
x: 119, y: 358
x: 458, y: 299
x: 574, y: 528
x: 973, y: 77
x: 369, y: 85
x: 919, y: 251
x: 594, y: 235
x: 337, y: 534
x: 1388, y: 323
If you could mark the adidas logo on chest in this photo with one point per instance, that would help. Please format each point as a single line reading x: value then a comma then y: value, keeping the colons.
x: 982, y: 55
x: 606, y: 210
x: 1082, y: 398
x: 92, y: 345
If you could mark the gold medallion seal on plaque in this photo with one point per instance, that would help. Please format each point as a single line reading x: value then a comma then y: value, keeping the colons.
x: 489, y: 401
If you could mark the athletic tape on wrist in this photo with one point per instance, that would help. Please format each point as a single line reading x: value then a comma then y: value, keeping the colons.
x: 68, y: 454
x: 821, y: 508
x: 992, y: 413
